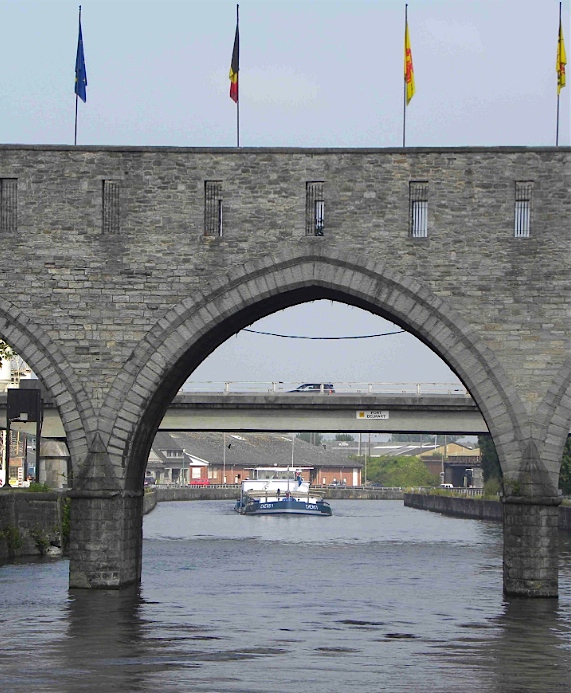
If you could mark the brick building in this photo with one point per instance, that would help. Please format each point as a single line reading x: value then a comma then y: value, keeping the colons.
x: 182, y: 457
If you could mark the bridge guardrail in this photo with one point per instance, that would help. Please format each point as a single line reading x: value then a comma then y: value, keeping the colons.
x: 282, y: 387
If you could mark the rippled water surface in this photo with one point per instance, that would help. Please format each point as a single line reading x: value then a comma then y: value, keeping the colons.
x: 378, y: 597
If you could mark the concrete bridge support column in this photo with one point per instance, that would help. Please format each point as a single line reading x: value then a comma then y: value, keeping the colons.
x: 106, y: 539
x: 531, y: 546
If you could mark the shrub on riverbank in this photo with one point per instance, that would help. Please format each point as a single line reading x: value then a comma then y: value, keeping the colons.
x: 399, y: 471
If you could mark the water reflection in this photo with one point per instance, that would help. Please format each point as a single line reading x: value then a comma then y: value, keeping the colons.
x: 377, y: 598
x: 105, y: 640
x: 531, y: 648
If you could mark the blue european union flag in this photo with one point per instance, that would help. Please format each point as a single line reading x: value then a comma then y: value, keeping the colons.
x: 80, y: 73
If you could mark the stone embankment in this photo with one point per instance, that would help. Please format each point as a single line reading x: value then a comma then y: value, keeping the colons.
x: 31, y: 524
x: 472, y: 508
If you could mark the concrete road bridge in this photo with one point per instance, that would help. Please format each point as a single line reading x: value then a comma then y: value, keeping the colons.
x: 355, y: 407
x: 126, y: 267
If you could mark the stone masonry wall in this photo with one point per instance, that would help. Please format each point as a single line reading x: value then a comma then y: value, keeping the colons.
x: 35, y: 517
x: 114, y: 299
x: 96, y: 295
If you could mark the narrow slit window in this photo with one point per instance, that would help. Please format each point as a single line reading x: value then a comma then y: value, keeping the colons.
x: 8, y: 205
x: 522, y: 209
x: 111, y: 207
x: 314, y: 209
x: 213, y: 208
x: 418, y: 208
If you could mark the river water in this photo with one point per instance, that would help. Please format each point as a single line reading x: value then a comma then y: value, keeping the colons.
x: 378, y: 597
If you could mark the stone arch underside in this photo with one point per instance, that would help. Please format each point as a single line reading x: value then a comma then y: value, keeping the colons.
x: 47, y: 361
x: 185, y: 336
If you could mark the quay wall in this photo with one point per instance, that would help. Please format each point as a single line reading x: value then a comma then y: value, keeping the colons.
x: 185, y: 493
x: 472, y: 508
x: 31, y: 524
x: 149, y: 501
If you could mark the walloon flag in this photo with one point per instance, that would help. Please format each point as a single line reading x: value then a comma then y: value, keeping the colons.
x: 561, y: 59
x: 408, y: 66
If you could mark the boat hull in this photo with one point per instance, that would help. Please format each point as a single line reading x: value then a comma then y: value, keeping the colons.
x: 283, y: 507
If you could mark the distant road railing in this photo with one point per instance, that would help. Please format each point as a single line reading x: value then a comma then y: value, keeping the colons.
x: 456, y: 491
x: 278, y: 386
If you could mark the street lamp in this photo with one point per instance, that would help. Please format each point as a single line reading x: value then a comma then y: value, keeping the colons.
x: 24, y: 406
x: 224, y: 459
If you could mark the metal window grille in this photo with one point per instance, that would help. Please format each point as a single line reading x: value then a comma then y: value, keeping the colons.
x: 213, y: 208
x: 314, y: 209
x: 111, y: 208
x: 8, y: 205
x: 522, y: 209
x: 418, y: 206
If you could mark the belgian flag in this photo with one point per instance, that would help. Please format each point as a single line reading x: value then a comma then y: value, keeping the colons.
x: 235, y: 67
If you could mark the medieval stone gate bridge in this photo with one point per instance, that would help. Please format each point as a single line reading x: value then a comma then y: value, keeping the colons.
x: 124, y: 268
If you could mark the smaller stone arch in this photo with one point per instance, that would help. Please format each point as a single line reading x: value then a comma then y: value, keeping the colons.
x: 46, y: 359
x: 552, y: 421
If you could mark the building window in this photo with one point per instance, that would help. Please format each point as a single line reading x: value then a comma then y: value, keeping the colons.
x: 8, y: 205
x: 213, y: 208
x: 418, y: 208
x: 173, y: 453
x: 110, y: 207
x: 314, y: 209
x: 522, y: 209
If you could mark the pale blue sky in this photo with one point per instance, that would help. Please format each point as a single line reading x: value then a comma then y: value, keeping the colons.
x: 312, y: 73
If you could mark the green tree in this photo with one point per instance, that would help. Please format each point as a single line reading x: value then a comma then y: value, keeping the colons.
x: 344, y: 436
x: 490, y: 463
x: 565, y: 475
x: 313, y: 438
x: 6, y: 352
x: 403, y: 470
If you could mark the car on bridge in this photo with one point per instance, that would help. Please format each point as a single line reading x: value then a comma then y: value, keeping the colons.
x: 327, y: 388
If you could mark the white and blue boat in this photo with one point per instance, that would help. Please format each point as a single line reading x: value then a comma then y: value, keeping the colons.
x: 279, y: 491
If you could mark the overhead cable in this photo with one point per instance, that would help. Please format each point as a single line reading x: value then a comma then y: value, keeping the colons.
x: 296, y: 336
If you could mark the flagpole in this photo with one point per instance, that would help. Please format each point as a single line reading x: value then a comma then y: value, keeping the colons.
x: 558, y: 78
x: 238, y: 100
x: 404, y: 84
x: 76, y: 95
x: 75, y: 135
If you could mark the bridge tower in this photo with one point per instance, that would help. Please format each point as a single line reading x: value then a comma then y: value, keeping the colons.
x: 125, y: 275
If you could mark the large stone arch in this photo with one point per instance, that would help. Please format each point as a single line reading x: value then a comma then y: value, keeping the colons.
x: 190, y: 331
x: 47, y: 361
x: 108, y: 494
x: 107, y: 489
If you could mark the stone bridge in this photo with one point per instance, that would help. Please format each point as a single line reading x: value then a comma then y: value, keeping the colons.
x: 126, y: 267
